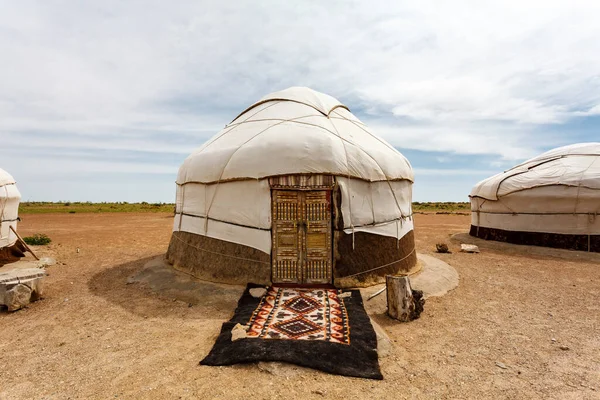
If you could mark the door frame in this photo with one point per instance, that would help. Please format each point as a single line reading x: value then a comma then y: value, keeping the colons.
x: 304, y: 183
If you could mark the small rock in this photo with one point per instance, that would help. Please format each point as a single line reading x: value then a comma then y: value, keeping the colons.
x: 442, y: 248
x: 17, y: 297
x: 563, y: 347
x: 501, y: 365
x: 258, y: 292
x: 469, y: 248
x: 46, y: 262
x: 553, y: 340
x: 238, y: 332
x: 319, y: 392
x: 279, y: 369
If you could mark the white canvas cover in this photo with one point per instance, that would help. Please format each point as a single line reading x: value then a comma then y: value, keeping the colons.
x: 556, y: 192
x: 9, y: 208
x: 294, y: 131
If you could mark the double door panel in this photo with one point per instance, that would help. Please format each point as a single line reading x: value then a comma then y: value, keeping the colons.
x: 302, y: 250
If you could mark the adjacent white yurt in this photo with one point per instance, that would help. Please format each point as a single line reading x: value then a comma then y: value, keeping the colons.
x: 9, y: 209
x: 551, y: 200
x: 294, y: 190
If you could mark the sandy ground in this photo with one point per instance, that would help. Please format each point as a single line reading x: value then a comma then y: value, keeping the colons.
x: 95, y: 336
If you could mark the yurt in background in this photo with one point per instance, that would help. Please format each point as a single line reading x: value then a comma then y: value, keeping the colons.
x: 9, y: 210
x: 294, y: 190
x: 551, y: 200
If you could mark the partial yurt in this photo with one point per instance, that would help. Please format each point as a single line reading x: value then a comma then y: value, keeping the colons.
x: 551, y: 200
x: 295, y: 190
x: 9, y: 210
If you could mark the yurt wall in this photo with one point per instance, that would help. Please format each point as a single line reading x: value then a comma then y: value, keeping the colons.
x: 9, y: 209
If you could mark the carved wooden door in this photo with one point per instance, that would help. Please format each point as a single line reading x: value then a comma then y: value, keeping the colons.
x: 302, y: 240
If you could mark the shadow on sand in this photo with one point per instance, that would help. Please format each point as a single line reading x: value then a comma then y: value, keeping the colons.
x: 152, y: 288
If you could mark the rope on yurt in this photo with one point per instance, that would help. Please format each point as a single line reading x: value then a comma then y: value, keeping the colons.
x: 381, y: 266
x: 591, y: 220
x: 182, y: 200
x: 3, y: 208
x: 337, y: 133
x: 591, y: 217
x: 390, y: 147
x: 479, y: 215
x: 229, y: 160
x: 220, y: 254
x: 234, y: 126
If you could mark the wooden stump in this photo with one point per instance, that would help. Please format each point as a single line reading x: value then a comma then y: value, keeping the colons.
x: 404, y: 304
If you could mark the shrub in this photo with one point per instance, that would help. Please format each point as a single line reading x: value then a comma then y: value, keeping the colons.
x: 39, y: 239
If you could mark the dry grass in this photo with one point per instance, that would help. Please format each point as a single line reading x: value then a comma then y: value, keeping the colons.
x: 43, y: 207
x: 442, y: 207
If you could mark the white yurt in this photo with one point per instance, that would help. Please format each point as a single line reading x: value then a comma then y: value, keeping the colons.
x: 294, y: 190
x: 9, y: 209
x: 551, y: 200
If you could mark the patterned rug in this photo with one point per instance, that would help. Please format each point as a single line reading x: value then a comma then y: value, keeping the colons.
x: 323, y: 329
x: 301, y: 314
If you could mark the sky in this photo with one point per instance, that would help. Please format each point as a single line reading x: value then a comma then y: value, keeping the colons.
x: 102, y: 101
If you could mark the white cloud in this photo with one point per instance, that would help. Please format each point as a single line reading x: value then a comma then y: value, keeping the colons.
x: 508, y: 142
x: 451, y: 172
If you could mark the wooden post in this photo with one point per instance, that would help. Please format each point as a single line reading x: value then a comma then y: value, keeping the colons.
x: 404, y: 304
x: 23, y: 242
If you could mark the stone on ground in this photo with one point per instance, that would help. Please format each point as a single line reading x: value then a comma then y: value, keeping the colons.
x: 239, y: 332
x: 469, y: 248
x: 258, y: 292
x: 19, y: 287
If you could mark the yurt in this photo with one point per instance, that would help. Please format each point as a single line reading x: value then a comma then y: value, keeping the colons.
x: 295, y: 190
x: 9, y: 211
x: 551, y: 200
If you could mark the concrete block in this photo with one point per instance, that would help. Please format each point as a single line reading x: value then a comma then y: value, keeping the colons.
x: 19, y: 287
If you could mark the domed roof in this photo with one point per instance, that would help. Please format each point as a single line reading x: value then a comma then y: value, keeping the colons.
x: 295, y: 131
x: 574, y: 165
x: 6, y: 178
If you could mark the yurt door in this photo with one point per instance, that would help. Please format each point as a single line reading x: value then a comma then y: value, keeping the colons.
x: 302, y: 249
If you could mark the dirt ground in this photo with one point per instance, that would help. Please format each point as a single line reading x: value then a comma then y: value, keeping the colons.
x: 498, y: 335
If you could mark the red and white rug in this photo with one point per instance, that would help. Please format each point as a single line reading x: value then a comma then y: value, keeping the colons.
x: 301, y: 314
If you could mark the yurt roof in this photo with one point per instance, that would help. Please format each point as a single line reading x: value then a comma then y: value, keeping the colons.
x: 6, y: 178
x: 295, y: 131
x: 574, y: 165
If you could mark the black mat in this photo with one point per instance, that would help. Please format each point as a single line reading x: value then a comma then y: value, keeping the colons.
x: 358, y: 359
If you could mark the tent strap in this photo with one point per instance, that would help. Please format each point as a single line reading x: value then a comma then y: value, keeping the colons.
x: 221, y: 254
x: 380, y: 267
